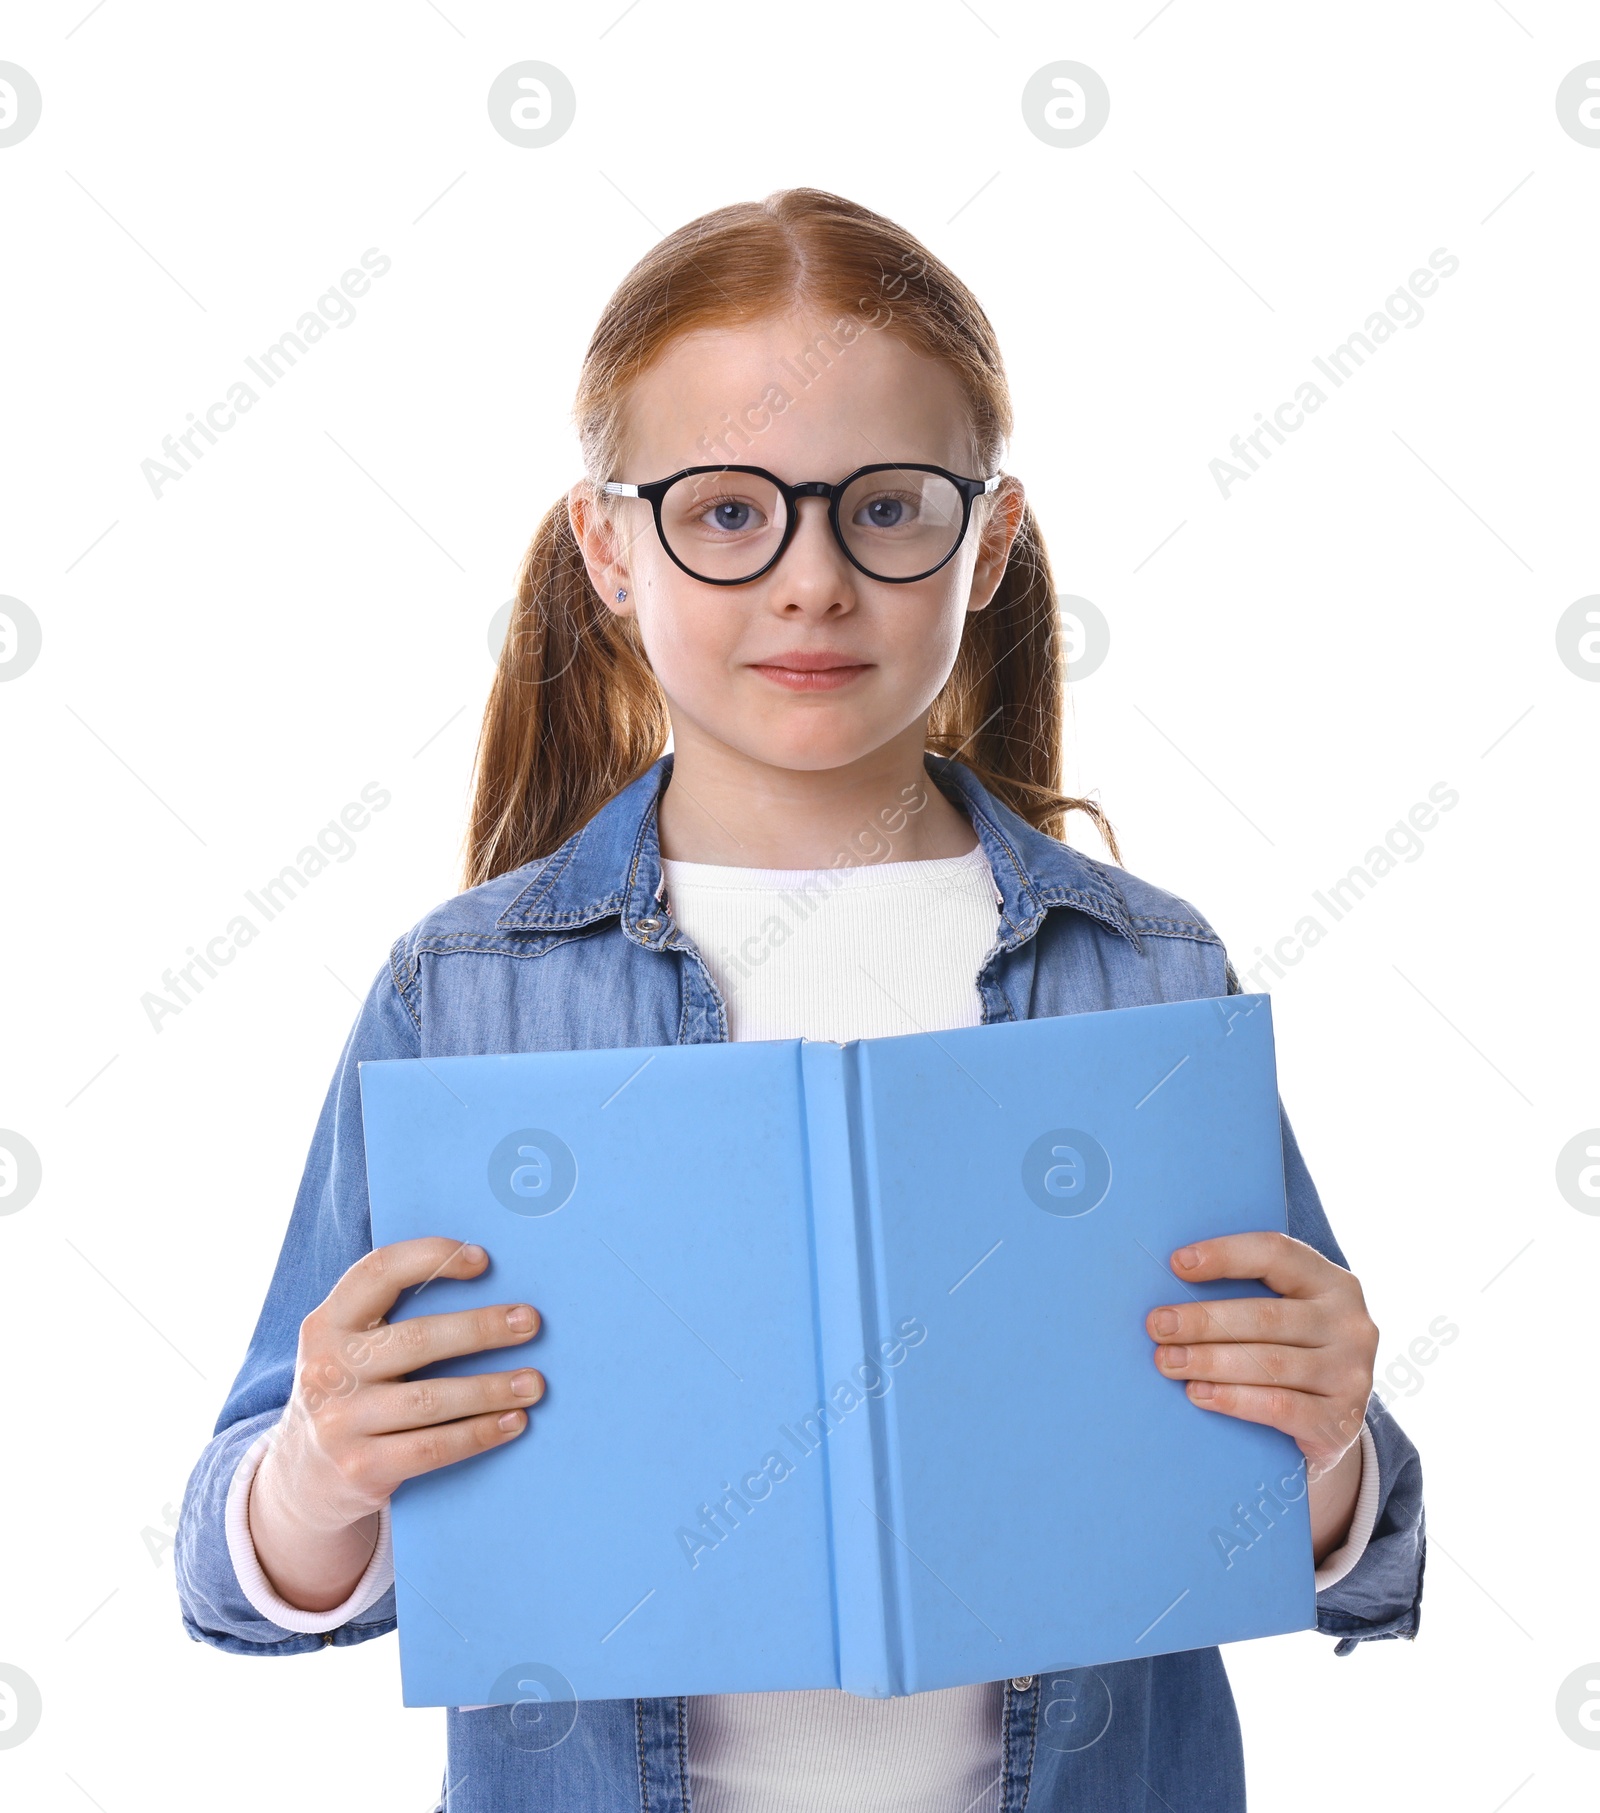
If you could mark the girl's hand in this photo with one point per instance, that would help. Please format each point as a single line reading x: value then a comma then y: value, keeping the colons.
x: 1300, y: 1362
x: 353, y: 1430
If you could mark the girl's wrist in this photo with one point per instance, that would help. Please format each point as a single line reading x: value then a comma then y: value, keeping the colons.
x: 312, y: 1553
x: 1333, y: 1494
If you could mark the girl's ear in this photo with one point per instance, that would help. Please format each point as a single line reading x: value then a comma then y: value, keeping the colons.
x: 599, y: 541
x: 1000, y: 525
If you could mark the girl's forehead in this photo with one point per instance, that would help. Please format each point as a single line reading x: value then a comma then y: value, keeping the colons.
x: 806, y: 388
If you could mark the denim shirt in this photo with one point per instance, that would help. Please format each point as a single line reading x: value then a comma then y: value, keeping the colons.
x: 574, y: 950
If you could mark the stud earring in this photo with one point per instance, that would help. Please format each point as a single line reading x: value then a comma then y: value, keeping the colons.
x: 621, y: 596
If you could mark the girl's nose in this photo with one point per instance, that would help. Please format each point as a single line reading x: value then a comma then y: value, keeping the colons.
x: 813, y: 547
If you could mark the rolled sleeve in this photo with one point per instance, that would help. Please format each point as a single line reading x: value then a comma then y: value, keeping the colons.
x: 252, y: 1577
x: 329, y: 1229
x: 1381, y: 1596
x: 1381, y: 1593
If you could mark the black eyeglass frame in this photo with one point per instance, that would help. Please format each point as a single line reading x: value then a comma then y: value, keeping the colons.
x: 656, y: 490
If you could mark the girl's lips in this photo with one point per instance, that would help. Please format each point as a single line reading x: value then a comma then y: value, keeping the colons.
x: 811, y: 679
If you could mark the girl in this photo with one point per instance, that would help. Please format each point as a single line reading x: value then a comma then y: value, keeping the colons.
x: 794, y: 550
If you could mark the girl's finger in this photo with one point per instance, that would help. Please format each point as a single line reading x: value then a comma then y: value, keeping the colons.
x: 1286, y: 1265
x: 420, y: 1403
x: 388, y: 1459
x: 372, y: 1286
x: 1318, y: 1424
x: 1290, y: 1320
x: 393, y: 1349
x: 1249, y: 1363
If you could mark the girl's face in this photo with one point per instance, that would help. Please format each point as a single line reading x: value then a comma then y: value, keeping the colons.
x: 719, y: 651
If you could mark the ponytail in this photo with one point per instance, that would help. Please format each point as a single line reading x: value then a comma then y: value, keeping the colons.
x: 575, y: 712
x: 1000, y: 712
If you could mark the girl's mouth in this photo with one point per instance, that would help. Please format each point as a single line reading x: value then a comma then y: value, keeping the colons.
x: 813, y: 674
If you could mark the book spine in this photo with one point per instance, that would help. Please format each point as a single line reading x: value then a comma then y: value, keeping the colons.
x: 849, y: 1421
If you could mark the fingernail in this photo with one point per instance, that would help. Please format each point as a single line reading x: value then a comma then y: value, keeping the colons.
x: 1202, y: 1388
x: 1188, y: 1257
x: 525, y: 1384
x: 1165, y: 1321
x: 511, y: 1420
x: 473, y: 1254
x: 1175, y: 1356
x: 520, y: 1318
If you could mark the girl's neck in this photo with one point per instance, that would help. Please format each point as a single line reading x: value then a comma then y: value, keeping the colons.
x: 721, y: 806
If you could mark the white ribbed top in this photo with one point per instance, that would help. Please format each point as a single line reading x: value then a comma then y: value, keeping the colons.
x: 848, y: 953
x: 824, y: 1751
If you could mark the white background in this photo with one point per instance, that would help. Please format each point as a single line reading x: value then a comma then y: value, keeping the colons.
x: 306, y: 611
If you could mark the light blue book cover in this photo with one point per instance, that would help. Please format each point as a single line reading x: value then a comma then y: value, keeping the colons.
x: 848, y: 1380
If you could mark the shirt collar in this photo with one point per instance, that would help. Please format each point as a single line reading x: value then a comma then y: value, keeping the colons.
x: 612, y: 866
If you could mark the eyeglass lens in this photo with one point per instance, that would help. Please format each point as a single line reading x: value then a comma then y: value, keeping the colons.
x: 898, y: 523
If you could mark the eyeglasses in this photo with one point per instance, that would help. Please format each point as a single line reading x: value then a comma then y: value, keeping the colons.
x: 727, y: 525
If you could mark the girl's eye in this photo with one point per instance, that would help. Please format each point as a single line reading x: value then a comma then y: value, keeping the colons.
x: 888, y: 510
x: 730, y: 515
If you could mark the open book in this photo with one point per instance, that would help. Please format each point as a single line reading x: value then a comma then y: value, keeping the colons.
x: 848, y: 1380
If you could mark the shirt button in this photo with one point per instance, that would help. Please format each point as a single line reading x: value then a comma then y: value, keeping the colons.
x: 1022, y: 1682
x: 648, y: 925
